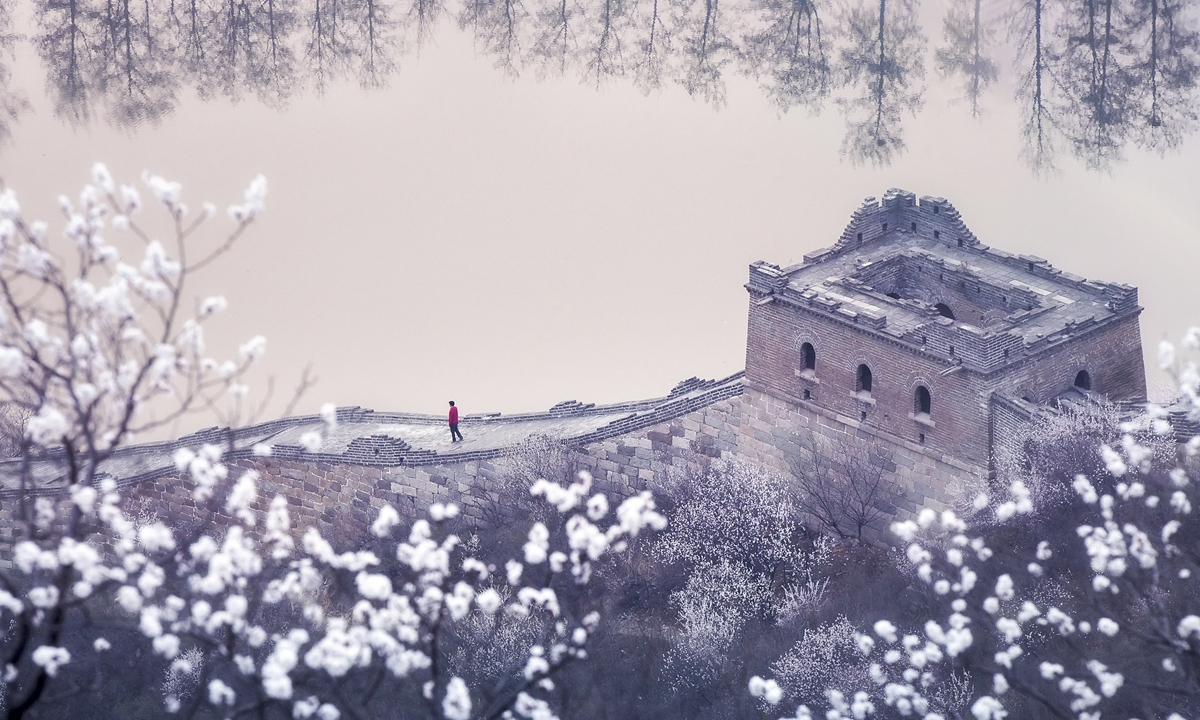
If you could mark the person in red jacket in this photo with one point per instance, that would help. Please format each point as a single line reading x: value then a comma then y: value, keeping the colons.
x: 455, y: 435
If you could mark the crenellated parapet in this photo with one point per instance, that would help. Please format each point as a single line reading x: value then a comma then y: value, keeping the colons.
x: 367, y: 438
x: 899, y: 210
x: 913, y: 272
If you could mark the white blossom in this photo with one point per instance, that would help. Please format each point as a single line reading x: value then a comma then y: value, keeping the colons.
x: 387, y: 519
x: 254, y: 196
x: 1188, y: 626
x: 50, y: 658
x: 221, y: 694
x: 129, y: 598
x: 545, y: 597
x: 768, y: 690
x: 1166, y: 355
x: 1110, y: 682
x: 275, y: 679
x: 253, y: 349
x: 342, y: 648
x: 1004, y: 587
x: 457, y: 703
x: 166, y: 645
x: 597, y: 507
x: 886, y: 630
x: 533, y: 708
x: 329, y: 416
x: 489, y: 601
x: 214, y: 305
x: 47, y: 427
x: 12, y: 362
x: 538, y: 546
x: 988, y: 708
x: 156, y: 537
x: 1113, y: 461
x: 373, y: 586
x: 311, y: 441
x: 999, y: 684
x: 243, y: 495
x: 43, y: 596
x: 514, y: 570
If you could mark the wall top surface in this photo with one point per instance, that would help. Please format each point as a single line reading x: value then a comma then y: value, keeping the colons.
x: 366, y: 437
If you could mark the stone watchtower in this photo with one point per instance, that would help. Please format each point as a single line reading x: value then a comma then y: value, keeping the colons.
x: 911, y: 331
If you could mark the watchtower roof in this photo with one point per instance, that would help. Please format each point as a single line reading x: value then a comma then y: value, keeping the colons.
x: 914, y: 273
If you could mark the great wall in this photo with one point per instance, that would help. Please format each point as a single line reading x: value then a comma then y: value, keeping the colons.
x: 908, y: 333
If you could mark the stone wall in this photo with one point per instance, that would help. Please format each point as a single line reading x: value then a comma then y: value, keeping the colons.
x: 1011, y: 420
x: 983, y: 387
x: 767, y: 430
x: 343, y: 499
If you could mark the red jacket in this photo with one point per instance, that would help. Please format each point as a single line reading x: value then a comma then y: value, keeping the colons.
x: 453, y: 415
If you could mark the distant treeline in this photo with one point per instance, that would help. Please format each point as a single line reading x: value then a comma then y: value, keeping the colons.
x: 1093, y: 76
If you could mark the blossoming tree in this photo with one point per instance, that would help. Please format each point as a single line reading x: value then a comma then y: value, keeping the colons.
x: 253, y: 617
x: 1083, y: 609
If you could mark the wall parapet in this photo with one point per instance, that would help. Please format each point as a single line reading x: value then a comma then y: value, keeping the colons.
x: 368, y: 438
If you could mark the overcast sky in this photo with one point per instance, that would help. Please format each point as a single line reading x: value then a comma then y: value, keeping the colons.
x: 511, y: 244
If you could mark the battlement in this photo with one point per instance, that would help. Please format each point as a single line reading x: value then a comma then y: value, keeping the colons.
x: 387, y: 439
x: 909, y: 311
x: 912, y: 272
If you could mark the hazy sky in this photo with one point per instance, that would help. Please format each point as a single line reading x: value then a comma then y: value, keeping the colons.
x: 514, y: 243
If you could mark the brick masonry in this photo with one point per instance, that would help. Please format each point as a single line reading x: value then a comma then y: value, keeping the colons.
x: 343, y: 499
x: 959, y: 421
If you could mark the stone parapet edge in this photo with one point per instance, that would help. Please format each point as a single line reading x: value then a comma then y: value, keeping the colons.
x: 660, y: 410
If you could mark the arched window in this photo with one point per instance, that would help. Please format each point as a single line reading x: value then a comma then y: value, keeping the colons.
x: 944, y: 310
x: 863, y: 383
x: 808, y: 358
x: 922, y: 401
x: 1083, y: 381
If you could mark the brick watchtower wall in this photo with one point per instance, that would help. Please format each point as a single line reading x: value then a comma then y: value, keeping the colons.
x: 1111, y: 354
x: 958, y: 421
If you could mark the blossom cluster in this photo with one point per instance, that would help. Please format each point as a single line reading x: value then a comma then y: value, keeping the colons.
x: 1119, y: 642
x: 243, y: 610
